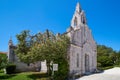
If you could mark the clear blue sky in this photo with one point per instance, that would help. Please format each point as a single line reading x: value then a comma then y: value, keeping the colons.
x: 103, y: 18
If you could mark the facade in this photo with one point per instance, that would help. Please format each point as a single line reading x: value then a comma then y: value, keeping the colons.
x: 82, y: 51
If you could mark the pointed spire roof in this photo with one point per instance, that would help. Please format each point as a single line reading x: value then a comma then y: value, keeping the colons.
x: 10, y: 41
x: 10, y: 38
x: 78, y: 8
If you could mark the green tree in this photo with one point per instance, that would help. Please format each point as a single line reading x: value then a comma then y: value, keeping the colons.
x: 23, y: 46
x: 54, y: 49
x: 44, y: 46
x: 62, y: 58
x: 118, y: 58
x: 106, y: 56
x: 3, y: 60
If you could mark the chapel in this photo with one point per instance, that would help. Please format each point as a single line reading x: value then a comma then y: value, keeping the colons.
x: 82, y: 51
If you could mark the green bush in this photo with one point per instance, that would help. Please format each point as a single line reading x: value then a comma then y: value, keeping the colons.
x: 63, y: 70
x: 1, y: 71
x: 3, y: 61
x: 117, y: 65
x: 10, y: 68
x: 105, y: 68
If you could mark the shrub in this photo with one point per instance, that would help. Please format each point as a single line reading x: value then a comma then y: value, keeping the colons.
x: 63, y: 70
x: 3, y: 61
x: 117, y: 65
x: 10, y: 68
x: 105, y: 68
x: 1, y: 71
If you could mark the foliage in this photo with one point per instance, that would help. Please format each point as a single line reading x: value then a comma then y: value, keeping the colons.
x: 62, y: 73
x: 105, y: 61
x: 1, y: 71
x: 23, y: 46
x: 105, y: 68
x: 62, y: 58
x: 107, y: 57
x: 54, y: 49
x: 44, y: 46
x: 3, y: 60
x: 10, y: 68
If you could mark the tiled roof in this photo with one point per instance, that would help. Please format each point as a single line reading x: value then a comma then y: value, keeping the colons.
x: 3, y: 52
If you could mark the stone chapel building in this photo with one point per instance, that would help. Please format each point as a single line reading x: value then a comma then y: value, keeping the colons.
x: 82, y: 51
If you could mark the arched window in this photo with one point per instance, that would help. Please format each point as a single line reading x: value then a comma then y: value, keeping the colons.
x: 75, y: 21
x: 86, y: 63
x: 77, y: 60
x: 83, y: 20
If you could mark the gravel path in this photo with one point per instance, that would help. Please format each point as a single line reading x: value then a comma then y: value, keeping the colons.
x: 110, y: 74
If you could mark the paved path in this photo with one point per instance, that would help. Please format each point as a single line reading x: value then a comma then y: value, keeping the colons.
x: 111, y: 74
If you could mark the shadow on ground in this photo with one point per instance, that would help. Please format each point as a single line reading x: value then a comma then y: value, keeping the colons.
x: 6, y: 76
x: 35, y: 76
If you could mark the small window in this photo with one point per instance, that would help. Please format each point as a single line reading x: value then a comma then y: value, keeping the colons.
x: 83, y: 19
x: 75, y: 21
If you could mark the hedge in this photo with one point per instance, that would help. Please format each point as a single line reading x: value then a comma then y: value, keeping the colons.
x: 10, y: 69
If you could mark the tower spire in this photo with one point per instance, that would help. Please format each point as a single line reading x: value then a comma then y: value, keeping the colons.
x: 78, y: 8
x: 10, y: 41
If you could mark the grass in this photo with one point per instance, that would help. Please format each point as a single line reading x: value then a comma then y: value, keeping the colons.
x: 1, y: 71
x: 24, y: 76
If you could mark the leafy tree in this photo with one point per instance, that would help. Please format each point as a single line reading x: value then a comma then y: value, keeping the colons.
x: 23, y: 46
x: 118, y: 58
x: 53, y: 48
x: 44, y: 46
x: 3, y: 60
x: 62, y: 58
x: 106, y: 56
x: 105, y: 61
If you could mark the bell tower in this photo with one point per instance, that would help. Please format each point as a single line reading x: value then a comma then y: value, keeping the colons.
x: 78, y: 18
x: 10, y: 42
x: 11, y: 55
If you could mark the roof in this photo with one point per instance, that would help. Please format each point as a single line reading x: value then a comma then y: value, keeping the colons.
x: 3, y: 52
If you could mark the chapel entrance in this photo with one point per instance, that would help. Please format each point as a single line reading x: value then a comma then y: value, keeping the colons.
x: 86, y: 63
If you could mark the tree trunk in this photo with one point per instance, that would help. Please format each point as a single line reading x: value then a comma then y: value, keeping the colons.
x: 48, y: 68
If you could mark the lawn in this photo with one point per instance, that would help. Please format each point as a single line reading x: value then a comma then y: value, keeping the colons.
x: 24, y: 76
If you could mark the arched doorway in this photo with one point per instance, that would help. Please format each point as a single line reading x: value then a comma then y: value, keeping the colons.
x: 86, y: 63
